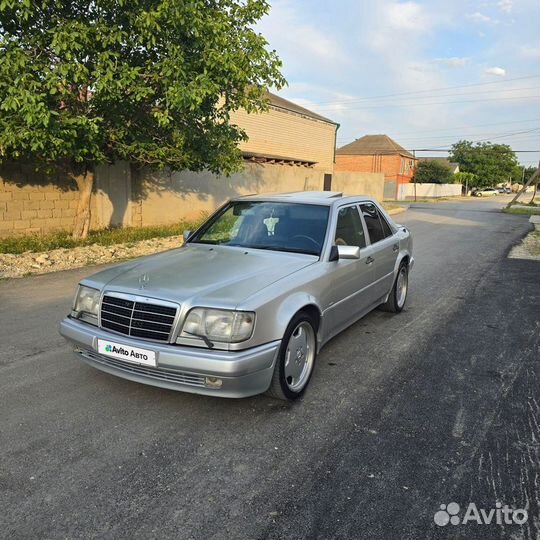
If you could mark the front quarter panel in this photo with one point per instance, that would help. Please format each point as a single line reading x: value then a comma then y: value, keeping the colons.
x: 277, y: 304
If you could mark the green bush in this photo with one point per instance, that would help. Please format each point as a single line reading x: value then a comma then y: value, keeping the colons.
x: 433, y: 172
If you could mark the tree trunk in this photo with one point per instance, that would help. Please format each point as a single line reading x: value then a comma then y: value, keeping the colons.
x: 85, y: 183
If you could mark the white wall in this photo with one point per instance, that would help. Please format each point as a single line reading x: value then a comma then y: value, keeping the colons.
x: 406, y: 191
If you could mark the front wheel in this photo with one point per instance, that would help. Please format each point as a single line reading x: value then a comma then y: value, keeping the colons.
x: 398, y: 295
x: 296, y: 359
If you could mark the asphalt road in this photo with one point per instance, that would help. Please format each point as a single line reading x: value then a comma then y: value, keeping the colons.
x: 438, y: 404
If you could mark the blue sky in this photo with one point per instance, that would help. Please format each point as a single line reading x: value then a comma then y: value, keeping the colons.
x: 382, y: 66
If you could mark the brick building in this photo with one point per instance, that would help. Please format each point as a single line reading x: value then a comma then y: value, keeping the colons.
x: 378, y: 153
x: 288, y: 134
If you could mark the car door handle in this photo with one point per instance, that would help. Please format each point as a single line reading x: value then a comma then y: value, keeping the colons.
x: 395, y: 247
x: 369, y: 260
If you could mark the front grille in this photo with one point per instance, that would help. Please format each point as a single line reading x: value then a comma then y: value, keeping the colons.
x: 159, y: 374
x: 137, y: 319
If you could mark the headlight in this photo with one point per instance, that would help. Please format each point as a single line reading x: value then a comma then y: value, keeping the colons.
x: 218, y: 325
x: 86, y: 303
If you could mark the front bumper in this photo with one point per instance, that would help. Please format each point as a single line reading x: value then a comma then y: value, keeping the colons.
x: 243, y: 373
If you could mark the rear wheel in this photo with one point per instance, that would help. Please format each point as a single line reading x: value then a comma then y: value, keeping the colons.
x: 296, y: 359
x: 398, y: 295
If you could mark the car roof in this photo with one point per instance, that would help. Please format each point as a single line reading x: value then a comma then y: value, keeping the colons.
x: 325, y: 198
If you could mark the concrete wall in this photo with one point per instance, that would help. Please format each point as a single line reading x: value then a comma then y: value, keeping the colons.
x: 406, y: 191
x: 167, y: 198
x: 287, y: 134
x: 370, y: 184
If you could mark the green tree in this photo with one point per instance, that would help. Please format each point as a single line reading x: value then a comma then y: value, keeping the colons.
x: 466, y: 179
x: 491, y: 163
x: 521, y: 174
x: 433, y: 172
x: 151, y: 82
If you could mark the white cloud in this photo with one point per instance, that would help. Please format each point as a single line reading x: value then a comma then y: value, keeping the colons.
x: 409, y: 16
x: 505, y: 5
x: 497, y: 71
x: 298, y: 43
x: 480, y: 18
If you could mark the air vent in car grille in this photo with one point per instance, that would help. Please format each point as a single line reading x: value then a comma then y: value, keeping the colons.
x: 162, y: 374
x: 138, y: 319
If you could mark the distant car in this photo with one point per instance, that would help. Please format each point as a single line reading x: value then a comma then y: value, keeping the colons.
x: 245, y: 305
x: 485, y: 192
x: 504, y: 190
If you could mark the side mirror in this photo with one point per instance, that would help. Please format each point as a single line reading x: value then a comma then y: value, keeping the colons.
x: 344, y: 252
x: 348, y: 252
x: 186, y: 235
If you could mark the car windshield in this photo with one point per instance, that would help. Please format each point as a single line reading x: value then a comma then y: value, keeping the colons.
x: 292, y: 227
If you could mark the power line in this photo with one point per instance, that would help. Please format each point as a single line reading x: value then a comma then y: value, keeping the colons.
x: 429, y: 90
x: 505, y: 135
x: 500, y: 136
x: 331, y: 104
x: 450, y: 149
x: 450, y: 136
x: 458, y: 128
x: 423, y: 104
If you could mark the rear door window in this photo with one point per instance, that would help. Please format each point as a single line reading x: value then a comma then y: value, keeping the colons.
x: 376, y: 225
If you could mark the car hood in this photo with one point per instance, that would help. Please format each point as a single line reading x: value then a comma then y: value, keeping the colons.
x: 205, y: 275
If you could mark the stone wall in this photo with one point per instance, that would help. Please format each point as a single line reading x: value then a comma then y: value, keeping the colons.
x: 34, y: 203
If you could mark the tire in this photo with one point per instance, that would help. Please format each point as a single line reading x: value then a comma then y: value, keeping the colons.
x: 398, y: 295
x: 296, y: 359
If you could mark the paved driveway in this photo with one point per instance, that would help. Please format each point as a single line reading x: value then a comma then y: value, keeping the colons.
x: 439, y: 404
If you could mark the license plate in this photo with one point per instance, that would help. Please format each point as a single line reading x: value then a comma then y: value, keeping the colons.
x: 127, y: 353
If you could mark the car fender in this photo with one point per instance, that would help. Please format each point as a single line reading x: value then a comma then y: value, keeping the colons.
x: 291, y: 305
x: 402, y: 254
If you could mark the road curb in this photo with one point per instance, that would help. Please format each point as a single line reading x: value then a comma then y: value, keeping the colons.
x: 398, y: 210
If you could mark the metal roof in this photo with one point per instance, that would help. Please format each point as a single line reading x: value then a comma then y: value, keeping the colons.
x: 285, y: 104
x: 370, y: 145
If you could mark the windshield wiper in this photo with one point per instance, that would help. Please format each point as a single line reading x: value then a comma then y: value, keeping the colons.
x: 293, y: 250
x: 207, y: 342
x: 272, y: 248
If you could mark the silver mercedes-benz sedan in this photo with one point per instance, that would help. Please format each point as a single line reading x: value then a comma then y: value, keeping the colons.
x: 244, y: 306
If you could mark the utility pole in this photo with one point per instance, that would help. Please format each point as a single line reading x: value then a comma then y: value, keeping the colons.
x: 525, y: 186
x: 414, y: 177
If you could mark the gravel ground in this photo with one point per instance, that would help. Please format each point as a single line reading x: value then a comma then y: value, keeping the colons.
x: 25, y: 264
x: 529, y: 247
